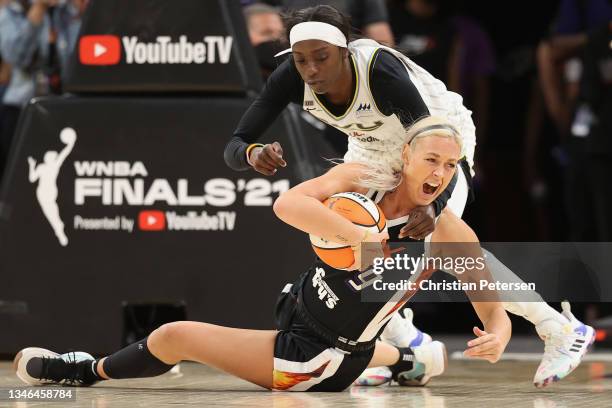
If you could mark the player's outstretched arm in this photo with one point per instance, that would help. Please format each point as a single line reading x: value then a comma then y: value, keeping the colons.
x: 491, y: 342
x: 453, y: 237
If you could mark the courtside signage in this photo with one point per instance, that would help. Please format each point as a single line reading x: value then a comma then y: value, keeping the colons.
x: 125, y: 195
x: 107, y: 50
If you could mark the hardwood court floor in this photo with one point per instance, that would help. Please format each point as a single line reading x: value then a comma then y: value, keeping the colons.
x: 465, y: 384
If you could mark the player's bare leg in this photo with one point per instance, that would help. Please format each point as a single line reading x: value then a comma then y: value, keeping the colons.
x: 248, y: 354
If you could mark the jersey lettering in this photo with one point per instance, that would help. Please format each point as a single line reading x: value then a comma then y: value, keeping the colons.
x: 323, y: 290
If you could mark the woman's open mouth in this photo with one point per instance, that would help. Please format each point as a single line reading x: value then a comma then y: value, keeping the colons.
x: 431, y: 188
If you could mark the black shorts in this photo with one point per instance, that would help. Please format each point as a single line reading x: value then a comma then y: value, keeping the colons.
x: 303, y: 362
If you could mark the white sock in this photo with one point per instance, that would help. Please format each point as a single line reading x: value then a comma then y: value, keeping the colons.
x: 543, y: 316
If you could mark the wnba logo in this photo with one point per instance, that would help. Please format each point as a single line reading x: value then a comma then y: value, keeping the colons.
x: 45, y: 174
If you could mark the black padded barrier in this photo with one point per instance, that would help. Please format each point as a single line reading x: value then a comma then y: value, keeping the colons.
x: 155, y: 164
x: 120, y: 192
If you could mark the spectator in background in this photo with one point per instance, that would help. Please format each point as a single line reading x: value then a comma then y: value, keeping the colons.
x: 36, y: 39
x: 424, y: 32
x: 571, y: 102
x: 476, y: 59
x: 559, y: 56
x: 369, y: 17
x: 265, y: 28
x: 477, y: 64
x: 595, y: 99
x: 16, y: 29
x: 5, y: 74
x: 575, y: 74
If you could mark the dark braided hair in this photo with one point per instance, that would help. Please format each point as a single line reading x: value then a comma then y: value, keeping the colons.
x: 322, y: 13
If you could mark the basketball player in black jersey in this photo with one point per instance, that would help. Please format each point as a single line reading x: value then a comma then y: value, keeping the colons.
x: 372, y: 93
x: 318, y: 348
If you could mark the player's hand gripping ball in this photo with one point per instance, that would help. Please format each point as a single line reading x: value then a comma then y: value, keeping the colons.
x: 358, y: 209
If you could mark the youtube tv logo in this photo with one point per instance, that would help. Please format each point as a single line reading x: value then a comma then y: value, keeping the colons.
x: 99, y: 50
x: 151, y: 221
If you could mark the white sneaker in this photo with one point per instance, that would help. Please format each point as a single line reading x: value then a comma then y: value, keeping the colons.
x: 402, y: 333
x: 374, y: 376
x: 429, y: 361
x: 564, y: 348
x: 38, y: 366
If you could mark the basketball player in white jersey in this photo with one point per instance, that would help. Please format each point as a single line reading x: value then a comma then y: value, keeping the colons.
x: 372, y: 93
x: 319, y: 348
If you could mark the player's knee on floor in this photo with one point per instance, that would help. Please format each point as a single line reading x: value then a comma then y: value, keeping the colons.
x: 167, y: 339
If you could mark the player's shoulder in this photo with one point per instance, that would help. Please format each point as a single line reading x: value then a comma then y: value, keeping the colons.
x: 285, y: 83
x: 387, y: 65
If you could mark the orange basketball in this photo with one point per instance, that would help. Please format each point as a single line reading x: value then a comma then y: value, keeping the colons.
x: 358, y: 209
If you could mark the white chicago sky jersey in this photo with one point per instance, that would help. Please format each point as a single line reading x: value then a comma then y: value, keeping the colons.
x: 374, y: 136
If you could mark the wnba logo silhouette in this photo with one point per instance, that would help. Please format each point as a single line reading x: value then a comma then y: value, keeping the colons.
x: 46, y: 174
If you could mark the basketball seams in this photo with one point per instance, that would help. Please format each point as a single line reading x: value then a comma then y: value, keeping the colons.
x: 360, y: 206
x: 382, y: 222
x: 370, y: 206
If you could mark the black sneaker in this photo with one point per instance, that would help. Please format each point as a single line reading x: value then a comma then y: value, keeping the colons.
x: 38, y: 366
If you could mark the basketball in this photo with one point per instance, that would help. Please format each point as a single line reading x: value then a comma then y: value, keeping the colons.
x: 68, y: 135
x: 358, y: 209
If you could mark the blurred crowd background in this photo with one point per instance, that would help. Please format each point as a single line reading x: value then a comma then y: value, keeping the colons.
x: 536, y: 74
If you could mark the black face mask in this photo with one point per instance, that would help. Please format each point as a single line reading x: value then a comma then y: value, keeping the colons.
x: 265, y: 55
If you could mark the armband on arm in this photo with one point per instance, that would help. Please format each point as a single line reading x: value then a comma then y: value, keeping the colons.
x: 248, y: 151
